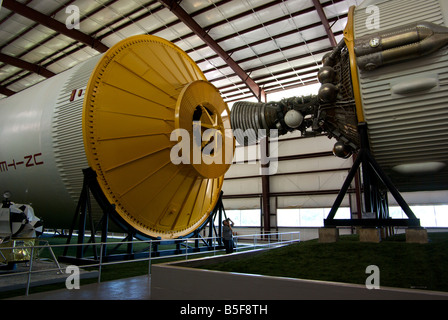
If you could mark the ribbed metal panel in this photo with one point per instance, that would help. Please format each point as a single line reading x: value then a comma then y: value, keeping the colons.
x: 397, y: 13
x: 67, y: 131
x: 407, y: 128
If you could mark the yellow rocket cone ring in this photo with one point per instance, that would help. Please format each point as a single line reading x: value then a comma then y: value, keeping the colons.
x: 128, y: 117
x: 201, y: 111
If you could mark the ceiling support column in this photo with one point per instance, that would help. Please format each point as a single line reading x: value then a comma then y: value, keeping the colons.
x: 265, y: 187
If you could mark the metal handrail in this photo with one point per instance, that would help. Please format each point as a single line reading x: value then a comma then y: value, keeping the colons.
x: 262, y: 240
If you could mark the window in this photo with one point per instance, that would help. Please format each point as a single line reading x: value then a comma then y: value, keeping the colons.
x: 288, y: 217
x: 430, y: 216
x: 426, y: 215
x: 441, y: 213
x: 245, y: 218
x: 396, y: 213
x: 311, y: 217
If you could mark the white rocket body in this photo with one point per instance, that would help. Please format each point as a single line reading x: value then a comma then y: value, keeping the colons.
x: 41, y: 145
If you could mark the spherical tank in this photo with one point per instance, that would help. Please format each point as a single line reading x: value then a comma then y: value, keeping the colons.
x: 120, y: 114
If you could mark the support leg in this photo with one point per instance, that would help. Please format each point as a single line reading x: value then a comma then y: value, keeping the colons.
x: 345, y: 186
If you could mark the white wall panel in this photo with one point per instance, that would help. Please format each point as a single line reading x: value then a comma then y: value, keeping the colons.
x: 305, y: 146
x: 284, y: 183
x: 246, y: 203
x: 242, y: 186
x: 243, y: 170
x: 249, y: 153
x: 312, y: 164
x: 308, y: 182
x: 314, y: 201
x: 422, y: 198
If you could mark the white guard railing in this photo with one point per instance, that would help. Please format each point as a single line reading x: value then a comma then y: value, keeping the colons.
x: 245, y: 243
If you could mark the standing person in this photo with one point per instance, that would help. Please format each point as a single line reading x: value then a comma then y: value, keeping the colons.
x: 227, y: 235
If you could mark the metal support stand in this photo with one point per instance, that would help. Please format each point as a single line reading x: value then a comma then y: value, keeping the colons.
x: 83, y: 212
x: 375, y: 186
x: 83, y: 215
x: 83, y: 209
x: 217, y: 213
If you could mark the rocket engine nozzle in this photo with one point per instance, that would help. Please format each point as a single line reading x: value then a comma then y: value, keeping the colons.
x: 252, y: 121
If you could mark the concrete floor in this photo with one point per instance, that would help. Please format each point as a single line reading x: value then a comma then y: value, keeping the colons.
x: 135, y: 288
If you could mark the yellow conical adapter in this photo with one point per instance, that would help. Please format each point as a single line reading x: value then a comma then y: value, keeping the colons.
x: 158, y: 136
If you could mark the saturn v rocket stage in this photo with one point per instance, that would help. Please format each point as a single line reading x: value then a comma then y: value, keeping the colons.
x: 118, y: 114
x: 115, y: 114
x: 383, y: 96
x: 393, y: 79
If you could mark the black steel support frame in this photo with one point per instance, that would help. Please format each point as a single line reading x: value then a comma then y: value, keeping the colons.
x: 375, y: 195
x: 83, y: 215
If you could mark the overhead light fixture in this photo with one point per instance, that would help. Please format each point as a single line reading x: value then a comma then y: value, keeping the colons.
x: 419, y: 167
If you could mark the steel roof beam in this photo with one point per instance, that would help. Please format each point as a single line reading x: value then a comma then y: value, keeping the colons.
x: 265, y: 24
x: 272, y: 52
x: 265, y: 40
x: 32, y: 26
x: 19, y: 63
x: 175, y: 8
x: 39, y: 63
x: 53, y: 24
x: 326, y: 24
x: 5, y: 91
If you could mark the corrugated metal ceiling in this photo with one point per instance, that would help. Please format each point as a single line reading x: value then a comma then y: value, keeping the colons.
x: 276, y: 44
